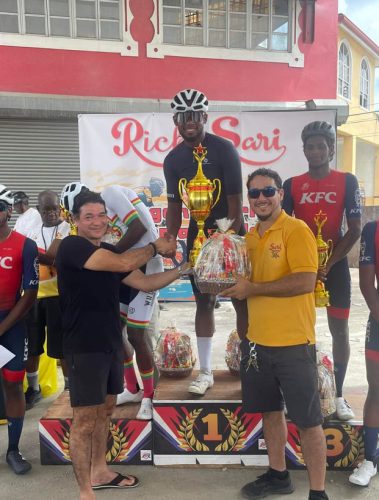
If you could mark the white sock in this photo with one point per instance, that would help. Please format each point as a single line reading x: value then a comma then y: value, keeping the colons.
x: 204, y: 348
x: 33, y: 380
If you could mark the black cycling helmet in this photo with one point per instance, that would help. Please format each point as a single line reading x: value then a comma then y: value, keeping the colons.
x: 189, y: 100
x: 319, y: 128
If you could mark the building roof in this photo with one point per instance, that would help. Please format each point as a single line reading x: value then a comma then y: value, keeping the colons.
x: 359, y: 36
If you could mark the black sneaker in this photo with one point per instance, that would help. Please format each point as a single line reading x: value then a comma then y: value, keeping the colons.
x: 32, y: 397
x: 318, y: 497
x: 266, y: 484
x: 17, y: 462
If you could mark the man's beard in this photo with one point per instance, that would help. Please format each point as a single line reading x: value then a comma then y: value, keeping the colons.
x: 263, y: 218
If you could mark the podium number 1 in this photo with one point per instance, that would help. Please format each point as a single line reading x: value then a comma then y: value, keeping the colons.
x: 212, y: 420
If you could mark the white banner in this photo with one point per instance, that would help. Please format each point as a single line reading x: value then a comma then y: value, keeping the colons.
x: 130, y: 149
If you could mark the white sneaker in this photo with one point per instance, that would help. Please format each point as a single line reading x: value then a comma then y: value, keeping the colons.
x: 343, y: 410
x: 146, y: 410
x: 363, y: 473
x: 129, y: 397
x: 203, y: 382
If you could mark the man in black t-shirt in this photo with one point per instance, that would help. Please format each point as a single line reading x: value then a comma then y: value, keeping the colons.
x: 222, y: 162
x: 89, y: 277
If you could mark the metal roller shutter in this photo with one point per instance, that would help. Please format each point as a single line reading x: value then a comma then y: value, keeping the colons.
x: 38, y: 154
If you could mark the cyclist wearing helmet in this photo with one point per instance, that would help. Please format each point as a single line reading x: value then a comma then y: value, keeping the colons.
x: 222, y: 161
x: 133, y: 226
x: 18, y: 272
x: 45, y: 316
x: 336, y: 194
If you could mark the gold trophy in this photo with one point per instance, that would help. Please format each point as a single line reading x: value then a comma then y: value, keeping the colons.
x: 68, y: 218
x: 197, y: 196
x: 324, y: 249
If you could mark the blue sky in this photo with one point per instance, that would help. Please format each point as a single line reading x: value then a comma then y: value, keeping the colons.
x: 364, y: 13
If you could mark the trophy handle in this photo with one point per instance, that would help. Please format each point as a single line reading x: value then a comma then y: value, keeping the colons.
x: 330, y: 245
x: 182, y: 188
x: 216, y: 182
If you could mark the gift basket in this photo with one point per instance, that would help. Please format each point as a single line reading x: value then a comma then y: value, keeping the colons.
x: 233, y: 353
x: 326, y: 384
x: 222, y: 258
x: 173, y: 355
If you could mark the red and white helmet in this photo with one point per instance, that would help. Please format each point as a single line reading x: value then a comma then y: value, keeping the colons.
x: 6, y: 195
x: 189, y: 100
x: 69, y: 192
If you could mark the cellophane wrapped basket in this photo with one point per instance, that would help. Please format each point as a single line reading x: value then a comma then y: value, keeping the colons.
x: 326, y: 384
x: 233, y: 353
x: 173, y: 355
x: 222, y: 258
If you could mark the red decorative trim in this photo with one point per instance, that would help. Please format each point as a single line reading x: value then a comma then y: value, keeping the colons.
x: 338, y: 312
x: 12, y: 376
x: 345, y: 21
x: 372, y: 355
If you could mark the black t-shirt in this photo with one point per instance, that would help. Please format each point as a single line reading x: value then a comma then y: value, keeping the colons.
x: 222, y: 162
x: 89, y: 299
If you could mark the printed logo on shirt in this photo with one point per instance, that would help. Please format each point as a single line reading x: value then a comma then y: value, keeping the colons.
x: 316, y: 197
x: 362, y: 256
x: 305, y: 186
x: 6, y: 262
x: 357, y: 197
x: 275, y: 250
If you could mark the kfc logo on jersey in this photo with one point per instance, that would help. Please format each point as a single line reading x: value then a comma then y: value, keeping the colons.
x: 362, y: 255
x: 316, y: 197
x: 305, y: 186
x: 6, y: 262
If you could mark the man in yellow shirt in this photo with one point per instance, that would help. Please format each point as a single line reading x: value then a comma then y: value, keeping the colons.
x: 278, y: 362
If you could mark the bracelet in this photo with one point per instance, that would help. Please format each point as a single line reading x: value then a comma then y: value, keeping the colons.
x: 154, y: 248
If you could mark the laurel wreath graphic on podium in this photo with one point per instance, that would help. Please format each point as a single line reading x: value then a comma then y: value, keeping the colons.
x: 234, y: 441
x: 119, y: 445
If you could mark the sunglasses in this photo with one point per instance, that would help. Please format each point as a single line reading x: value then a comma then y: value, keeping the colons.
x: 268, y: 192
x: 189, y: 116
x: 4, y: 207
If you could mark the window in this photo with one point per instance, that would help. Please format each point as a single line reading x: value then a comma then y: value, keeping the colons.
x: 364, y: 85
x: 262, y: 25
x: 90, y: 19
x: 344, y: 71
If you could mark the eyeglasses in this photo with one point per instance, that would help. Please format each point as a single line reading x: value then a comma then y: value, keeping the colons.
x: 268, y: 192
x: 189, y: 116
x: 4, y: 207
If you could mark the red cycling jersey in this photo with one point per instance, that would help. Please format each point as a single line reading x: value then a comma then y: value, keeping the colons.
x: 336, y: 194
x: 18, y: 268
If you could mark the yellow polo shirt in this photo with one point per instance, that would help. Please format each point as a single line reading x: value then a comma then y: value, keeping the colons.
x: 287, y: 247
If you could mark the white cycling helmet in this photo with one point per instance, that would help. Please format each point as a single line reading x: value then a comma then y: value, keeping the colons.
x: 69, y: 192
x: 189, y: 100
x: 6, y: 195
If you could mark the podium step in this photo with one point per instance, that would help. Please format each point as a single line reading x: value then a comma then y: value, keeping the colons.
x: 214, y: 430
x: 189, y: 430
x: 129, y: 440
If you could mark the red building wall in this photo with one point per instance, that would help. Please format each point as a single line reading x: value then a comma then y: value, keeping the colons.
x: 80, y: 73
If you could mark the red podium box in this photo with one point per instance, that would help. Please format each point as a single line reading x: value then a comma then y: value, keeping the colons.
x: 213, y: 430
x: 129, y: 440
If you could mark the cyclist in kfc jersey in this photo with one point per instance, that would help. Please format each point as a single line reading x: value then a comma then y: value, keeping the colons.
x: 337, y: 194
x: 18, y: 273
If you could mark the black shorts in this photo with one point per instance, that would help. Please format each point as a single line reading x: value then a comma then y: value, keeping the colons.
x: 372, y: 340
x: 285, y: 374
x: 338, y: 284
x: 93, y: 375
x: 45, y: 316
x: 14, y: 340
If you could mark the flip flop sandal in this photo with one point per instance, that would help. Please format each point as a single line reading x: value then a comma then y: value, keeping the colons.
x: 115, y: 483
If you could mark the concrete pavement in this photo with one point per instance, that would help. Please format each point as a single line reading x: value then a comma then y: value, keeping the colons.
x: 58, y: 482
